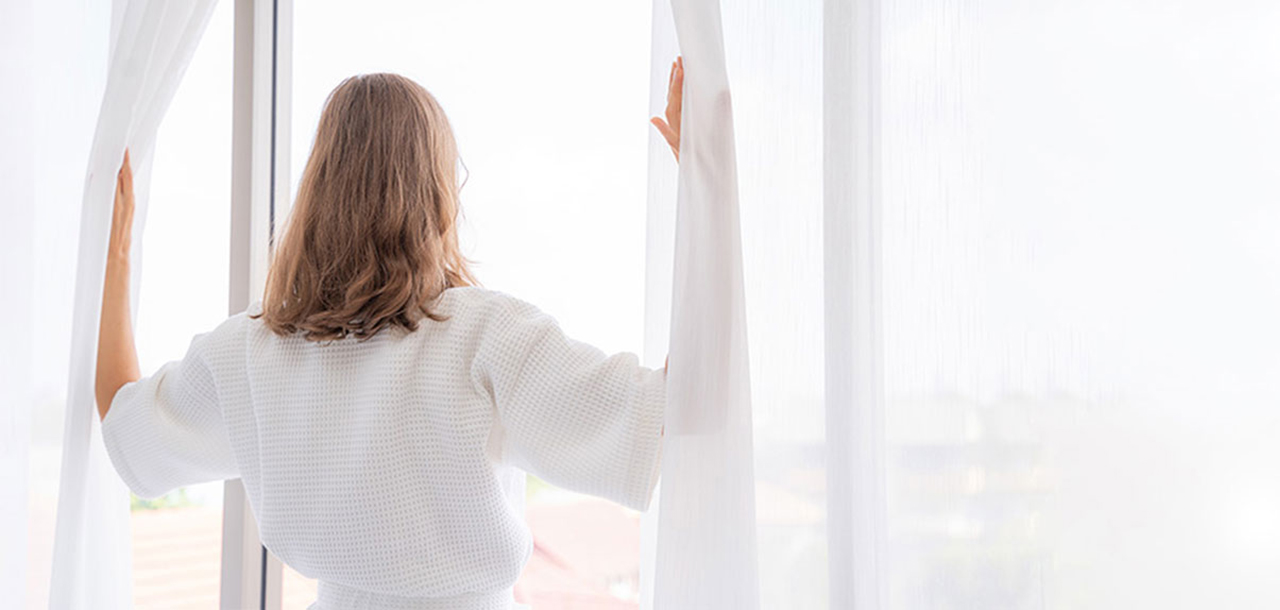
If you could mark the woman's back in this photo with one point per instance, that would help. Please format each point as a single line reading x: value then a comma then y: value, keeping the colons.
x: 394, y: 466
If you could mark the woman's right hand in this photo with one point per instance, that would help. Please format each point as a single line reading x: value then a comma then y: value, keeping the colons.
x: 670, y: 128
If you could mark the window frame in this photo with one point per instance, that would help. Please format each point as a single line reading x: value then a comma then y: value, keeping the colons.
x: 261, y: 100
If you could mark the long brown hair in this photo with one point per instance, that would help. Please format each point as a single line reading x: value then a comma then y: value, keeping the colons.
x: 371, y: 241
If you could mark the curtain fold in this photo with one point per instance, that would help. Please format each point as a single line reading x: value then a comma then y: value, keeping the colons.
x: 741, y: 510
x: 150, y: 49
x: 705, y: 536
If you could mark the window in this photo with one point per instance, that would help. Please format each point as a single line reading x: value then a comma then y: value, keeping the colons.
x: 177, y: 539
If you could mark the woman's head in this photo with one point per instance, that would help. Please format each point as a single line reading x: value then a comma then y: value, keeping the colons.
x: 372, y: 240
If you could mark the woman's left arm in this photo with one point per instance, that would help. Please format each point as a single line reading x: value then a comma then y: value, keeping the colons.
x: 117, y: 355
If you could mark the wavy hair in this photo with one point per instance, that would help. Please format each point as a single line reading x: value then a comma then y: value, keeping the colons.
x: 371, y: 241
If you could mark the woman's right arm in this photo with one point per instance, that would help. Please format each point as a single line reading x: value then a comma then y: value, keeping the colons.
x: 569, y: 413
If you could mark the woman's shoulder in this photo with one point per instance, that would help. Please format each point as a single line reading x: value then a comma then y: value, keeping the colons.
x: 236, y: 327
x: 489, y: 312
x: 221, y: 344
x: 483, y: 302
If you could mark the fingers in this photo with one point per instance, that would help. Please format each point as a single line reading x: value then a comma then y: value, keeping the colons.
x: 670, y: 127
x: 675, y: 94
x: 675, y: 80
x: 122, y: 209
x: 126, y: 172
x: 124, y: 183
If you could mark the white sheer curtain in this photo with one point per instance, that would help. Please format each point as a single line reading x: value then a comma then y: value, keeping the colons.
x: 708, y: 518
x: 1010, y: 278
x: 717, y: 503
x: 53, y: 64
x: 1080, y: 263
x: 61, y: 59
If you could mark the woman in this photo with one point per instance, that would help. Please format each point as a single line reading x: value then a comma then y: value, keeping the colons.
x: 379, y: 407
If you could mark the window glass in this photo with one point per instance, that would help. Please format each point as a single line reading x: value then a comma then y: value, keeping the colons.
x: 177, y: 539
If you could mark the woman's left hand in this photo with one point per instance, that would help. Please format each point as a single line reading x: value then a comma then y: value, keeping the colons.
x: 670, y: 128
x: 122, y: 215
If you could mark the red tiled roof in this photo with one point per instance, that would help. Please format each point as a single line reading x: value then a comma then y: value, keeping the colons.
x: 585, y: 557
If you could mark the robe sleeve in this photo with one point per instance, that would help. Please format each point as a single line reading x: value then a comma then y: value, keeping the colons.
x: 568, y: 413
x: 166, y: 431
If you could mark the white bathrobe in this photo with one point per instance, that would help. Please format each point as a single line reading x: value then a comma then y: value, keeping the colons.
x: 392, y: 469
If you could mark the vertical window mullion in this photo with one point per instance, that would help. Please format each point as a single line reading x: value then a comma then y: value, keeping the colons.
x: 260, y: 143
x: 281, y: 50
